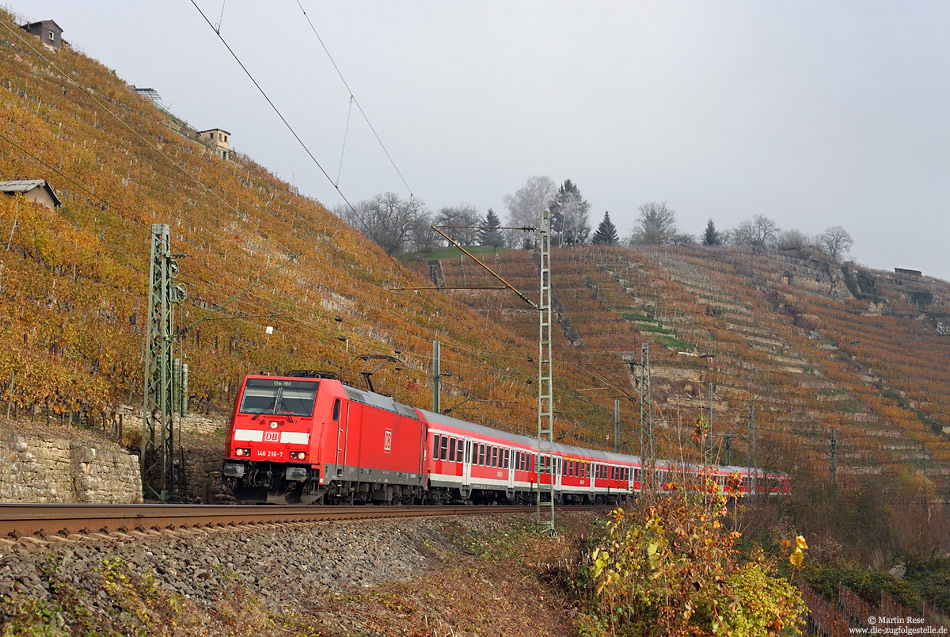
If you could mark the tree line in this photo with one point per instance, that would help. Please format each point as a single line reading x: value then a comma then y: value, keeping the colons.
x: 404, y: 226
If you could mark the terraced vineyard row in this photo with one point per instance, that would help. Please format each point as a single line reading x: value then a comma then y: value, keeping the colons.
x: 784, y: 333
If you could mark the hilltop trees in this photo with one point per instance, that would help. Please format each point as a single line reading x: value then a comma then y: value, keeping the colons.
x: 656, y: 224
x: 792, y: 239
x: 711, y: 236
x: 397, y: 225
x: 525, y: 208
x: 606, y: 234
x: 569, y: 224
x: 836, y: 242
x: 462, y: 215
x: 490, y: 235
x: 758, y: 233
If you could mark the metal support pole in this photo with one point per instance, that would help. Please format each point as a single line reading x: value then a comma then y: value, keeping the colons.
x: 755, y: 469
x: 616, y: 425
x: 436, y: 378
x: 728, y: 436
x: 646, y: 347
x: 642, y: 383
x: 157, y: 460
x: 545, y: 382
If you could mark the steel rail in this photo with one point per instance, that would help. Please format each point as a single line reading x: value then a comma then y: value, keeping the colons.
x: 42, y: 520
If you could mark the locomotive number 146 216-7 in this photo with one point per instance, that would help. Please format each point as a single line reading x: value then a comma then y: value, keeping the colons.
x: 269, y: 454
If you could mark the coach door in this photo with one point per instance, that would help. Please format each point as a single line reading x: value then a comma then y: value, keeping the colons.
x: 509, y: 467
x: 467, y: 464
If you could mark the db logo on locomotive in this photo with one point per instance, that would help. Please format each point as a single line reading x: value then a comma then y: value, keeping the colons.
x: 388, y: 441
x: 271, y: 436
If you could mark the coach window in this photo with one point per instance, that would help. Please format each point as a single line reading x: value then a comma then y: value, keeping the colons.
x: 435, y: 447
x: 481, y: 454
x: 507, y: 454
x: 468, y: 447
x: 494, y: 456
x: 452, y: 450
x: 458, y: 450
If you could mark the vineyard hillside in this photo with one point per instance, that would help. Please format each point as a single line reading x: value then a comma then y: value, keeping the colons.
x: 807, y: 348
x: 839, y: 367
x: 74, y: 280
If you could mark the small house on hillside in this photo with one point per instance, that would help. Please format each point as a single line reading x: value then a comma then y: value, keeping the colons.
x: 915, y: 274
x: 217, y: 138
x: 50, y: 33
x: 33, y: 189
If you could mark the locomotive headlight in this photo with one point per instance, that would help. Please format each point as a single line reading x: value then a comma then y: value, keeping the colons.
x: 273, y: 424
x: 293, y: 455
x: 301, y: 455
x: 238, y: 452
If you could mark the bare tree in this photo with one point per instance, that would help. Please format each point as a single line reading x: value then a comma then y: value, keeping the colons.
x: 462, y: 215
x: 758, y: 233
x: 836, y: 242
x: 793, y: 239
x: 656, y: 224
x: 392, y: 222
x: 569, y: 222
x: 525, y: 208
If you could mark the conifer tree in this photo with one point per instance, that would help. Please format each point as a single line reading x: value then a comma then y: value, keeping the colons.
x: 490, y: 235
x: 606, y: 234
x: 711, y: 237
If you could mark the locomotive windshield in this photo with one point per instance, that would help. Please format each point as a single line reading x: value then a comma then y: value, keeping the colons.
x: 272, y: 396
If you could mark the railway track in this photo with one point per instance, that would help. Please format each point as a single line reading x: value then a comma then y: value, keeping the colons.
x: 45, y: 523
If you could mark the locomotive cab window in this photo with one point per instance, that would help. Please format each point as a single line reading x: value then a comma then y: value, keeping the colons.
x: 279, y: 397
x: 336, y: 409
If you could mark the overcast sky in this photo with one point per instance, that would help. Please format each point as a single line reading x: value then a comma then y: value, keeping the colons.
x: 812, y: 113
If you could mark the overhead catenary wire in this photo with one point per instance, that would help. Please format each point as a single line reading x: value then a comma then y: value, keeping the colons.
x: 354, y: 100
x: 293, y: 132
x: 150, y: 145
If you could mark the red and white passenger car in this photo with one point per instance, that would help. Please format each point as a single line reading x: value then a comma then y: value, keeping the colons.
x: 301, y: 438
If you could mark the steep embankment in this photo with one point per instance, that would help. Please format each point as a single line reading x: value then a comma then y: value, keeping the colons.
x: 73, y: 281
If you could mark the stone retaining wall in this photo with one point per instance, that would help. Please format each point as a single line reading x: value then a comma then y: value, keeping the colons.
x: 39, y: 470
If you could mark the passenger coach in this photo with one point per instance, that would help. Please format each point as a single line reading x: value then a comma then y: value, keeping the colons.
x: 308, y: 438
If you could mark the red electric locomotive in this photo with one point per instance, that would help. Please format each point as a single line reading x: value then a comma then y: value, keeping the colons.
x: 306, y: 438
